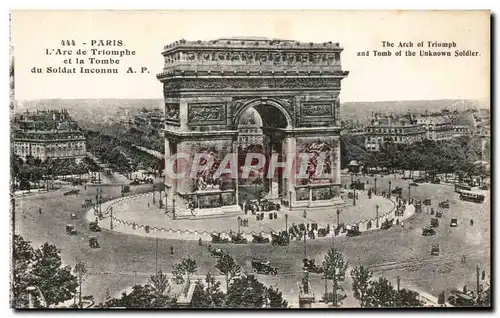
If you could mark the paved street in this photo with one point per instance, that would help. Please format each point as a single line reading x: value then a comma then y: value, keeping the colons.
x: 124, y: 260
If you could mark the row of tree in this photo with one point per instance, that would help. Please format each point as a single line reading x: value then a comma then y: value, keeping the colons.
x: 434, y: 157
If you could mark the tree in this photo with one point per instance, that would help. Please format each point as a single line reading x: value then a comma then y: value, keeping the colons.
x: 361, y: 277
x: 276, y: 298
x: 227, y: 266
x: 408, y: 298
x: 381, y: 293
x: 141, y: 297
x: 41, y: 268
x: 182, y: 271
x: 246, y: 292
x: 209, y: 297
x: 334, y: 267
x: 159, y: 282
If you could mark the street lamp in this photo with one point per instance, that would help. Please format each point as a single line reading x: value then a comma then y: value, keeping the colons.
x: 390, y: 189
x: 173, y: 207
x: 286, y: 222
x: 239, y: 223
x: 154, y: 195
x: 290, y: 195
x: 376, y: 208
x: 409, y: 193
x: 354, y: 196
x: 375, y: 185
x: 338, y: 217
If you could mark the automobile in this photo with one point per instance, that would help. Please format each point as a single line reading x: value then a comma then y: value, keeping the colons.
x: 261, y: 266
x: 281, y: 239
x: 428, y: 231
x: 216, y: 252
x: 419, y: 180
x: 460, y: 299
x: 414, y: 184
x: 434, y: 222
x: 435, y: 249
x: 93, y: 243
x: 94, y: 227
x: 322, y: 232
x: 397, y: 190
x: 444, y: 204
x: 259, y: 239
x: 439, y: 214
x: 436, y: 181
x: 353, y: 231
x: 453, y: 222
x: 216, y: 238
x: 427, y: 202
x: 418, y: 206
x: 88, y: 203
x: 238, y: 239
x: 70, y: 229
x: 387, y: 224
x: 310, y: 266
x: 71, y: 192
x: 74, y: 216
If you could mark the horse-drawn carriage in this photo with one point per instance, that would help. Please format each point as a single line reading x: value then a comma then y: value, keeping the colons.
x: 387, y: 224
x: 93, y: 243
x: 428, y: 231
x: 94, y: 227
x: 434, y: 222
x: 353, y: 231
x: 216, y: 252
x: 263, y: 267
x: 238, y: 239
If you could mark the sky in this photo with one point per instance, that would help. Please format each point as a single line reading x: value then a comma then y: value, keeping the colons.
x: 370, y: 78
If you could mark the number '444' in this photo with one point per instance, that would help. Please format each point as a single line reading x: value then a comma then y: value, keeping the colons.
x: 68, y: 42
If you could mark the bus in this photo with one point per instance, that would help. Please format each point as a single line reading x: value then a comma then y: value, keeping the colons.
x: 471, y: 196
x: 462, y: 186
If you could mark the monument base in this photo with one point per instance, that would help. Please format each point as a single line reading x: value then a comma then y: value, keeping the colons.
x: 318, y: 204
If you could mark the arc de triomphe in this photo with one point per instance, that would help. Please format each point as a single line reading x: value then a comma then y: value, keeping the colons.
x: 294, y: 87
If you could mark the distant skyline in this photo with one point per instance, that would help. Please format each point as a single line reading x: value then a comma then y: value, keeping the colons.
x: 370, y: 78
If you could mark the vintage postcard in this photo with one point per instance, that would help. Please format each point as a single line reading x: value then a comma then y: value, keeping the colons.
x: 250, y: 159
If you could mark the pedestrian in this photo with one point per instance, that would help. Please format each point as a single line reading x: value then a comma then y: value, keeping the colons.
x: 471, y: 222
x: 148, y: 205
x: 200, y: 242
x: 39, y: 210
x: 172, y: 250
x: 483, y: 275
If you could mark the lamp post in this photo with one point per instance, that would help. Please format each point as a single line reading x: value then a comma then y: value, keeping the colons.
x: 375, y: 185
x: 338, y: 217
x: 352, y: 178
x: 409, y: 193
x: 390, y: 189
x: 290, y: 195
x: 154, y: 194
x: 239, y: 223
x: 354, y: 196
x: 376, y: 208
x: 111, y: 217
x: 173, y: 207
x: 286, y: 222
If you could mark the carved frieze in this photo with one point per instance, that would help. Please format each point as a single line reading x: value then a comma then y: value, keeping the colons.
x: 275, y: 57
x: 317, y: 110
x: 207, y: 113
x: 250, y: 83
x: 172, y: 112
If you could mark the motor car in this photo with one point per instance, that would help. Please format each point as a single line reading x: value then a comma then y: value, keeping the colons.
x: 444, y: 204
x: 439, y: 214
x: 310, y: 266
x: 281, y: 239
x: 70, y: 229
x: 453, y: 222
x: 353, y: 231
x: 93, y: 243
x: 428, y: 231
x: 427, y: 202
x: 94, y: 227
x: 238, y: 239
x: 216, y: 252
x: 259, y: 239
x: 435, y: 249
x: 216, y: 238
x: 434, y: 222
x: 261, y: 266
x: 414, y: 184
